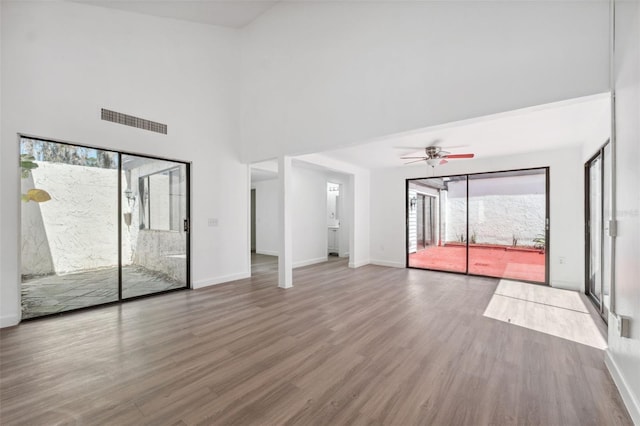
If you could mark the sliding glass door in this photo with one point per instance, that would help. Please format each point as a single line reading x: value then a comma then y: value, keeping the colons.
x: 154, y: 226
x: 490, y: 224
x: 436, y: 224
x: 69, y: 242
x: 507, y: 225
x: 99, y: 226
x: 597, y: 265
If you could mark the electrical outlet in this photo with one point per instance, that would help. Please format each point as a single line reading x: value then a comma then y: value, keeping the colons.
x: 562, y: 260
x: 624, y: 326
x: 213, y: 222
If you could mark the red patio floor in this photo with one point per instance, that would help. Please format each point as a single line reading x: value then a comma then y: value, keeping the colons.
x: 501, y: 262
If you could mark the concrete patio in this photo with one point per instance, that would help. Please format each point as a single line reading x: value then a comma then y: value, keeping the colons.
x: 58, y: 293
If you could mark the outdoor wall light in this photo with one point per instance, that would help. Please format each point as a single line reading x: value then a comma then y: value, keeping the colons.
x: 131, y: 197
x: 412, y: 202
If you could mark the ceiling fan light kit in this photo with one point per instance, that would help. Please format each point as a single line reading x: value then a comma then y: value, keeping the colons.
x: 434, y: 155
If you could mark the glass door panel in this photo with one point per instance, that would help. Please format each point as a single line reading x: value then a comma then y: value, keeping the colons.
x: 437, y: 232
x: 69, y: 239
x: 595, y: 228
x: 507, y: 221
x: 154, y: 226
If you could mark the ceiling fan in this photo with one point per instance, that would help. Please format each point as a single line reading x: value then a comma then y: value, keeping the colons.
x: 434, y: 155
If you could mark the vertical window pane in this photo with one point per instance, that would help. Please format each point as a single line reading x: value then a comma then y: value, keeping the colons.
x: 437, y: 224
x: 507, y: 214
x: 154, y: 243
x: 69, y: 252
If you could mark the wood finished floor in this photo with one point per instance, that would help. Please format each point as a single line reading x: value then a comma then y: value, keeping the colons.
x: 373, y: 345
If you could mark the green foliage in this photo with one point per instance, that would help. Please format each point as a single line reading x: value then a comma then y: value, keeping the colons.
x: 27, y: 163
x: 540, y: 242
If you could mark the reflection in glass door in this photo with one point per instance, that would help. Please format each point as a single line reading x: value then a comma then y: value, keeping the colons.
x: 99, y: 226
x: 69, y: 238
x: 437, y: 240
x: 154, y: 226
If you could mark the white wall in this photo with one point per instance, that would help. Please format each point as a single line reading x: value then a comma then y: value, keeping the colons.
x: 319, y: 75
x: 566, y: 204
x: 623, y: 355
x: 309, y: 216
x: 267, y: 217
x: 309, y: 203
x: 63, y: 61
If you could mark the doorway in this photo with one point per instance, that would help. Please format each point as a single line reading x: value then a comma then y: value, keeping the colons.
x: 99, y: 226
x: 334, y: 201
x: 597, y: 242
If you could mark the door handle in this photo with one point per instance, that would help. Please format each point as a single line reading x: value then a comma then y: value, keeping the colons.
x: 186, y: 225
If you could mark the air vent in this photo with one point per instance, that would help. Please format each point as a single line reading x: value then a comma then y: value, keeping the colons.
x: 130, y: 120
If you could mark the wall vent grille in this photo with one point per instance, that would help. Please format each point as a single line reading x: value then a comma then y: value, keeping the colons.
x: 130, y: 120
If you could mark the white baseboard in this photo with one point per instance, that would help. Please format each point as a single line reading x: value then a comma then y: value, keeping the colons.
x: 358, y: 264
x: 308, y: 262
x: 267, y: 252
x: 565, y: 285
x: 387, y: 263
x: 629, y: 398
x: 9, y: 320
x: 220, y: 280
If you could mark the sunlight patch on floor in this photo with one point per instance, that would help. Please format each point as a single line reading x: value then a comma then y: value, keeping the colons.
x: 560, y: 313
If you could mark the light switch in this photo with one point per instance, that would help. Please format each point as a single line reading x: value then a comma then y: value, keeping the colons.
x: 213, y: 221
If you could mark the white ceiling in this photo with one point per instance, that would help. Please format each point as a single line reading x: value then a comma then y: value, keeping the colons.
x: 540, y: 128
x: 226, y: 13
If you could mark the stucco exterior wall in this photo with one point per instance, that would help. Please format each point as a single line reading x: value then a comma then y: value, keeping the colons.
x: 497, y: 219
x: 78, y: 230
x: 79, y: 223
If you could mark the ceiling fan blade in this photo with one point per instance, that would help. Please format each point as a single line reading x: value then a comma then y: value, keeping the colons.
x: 443, y: 161
x: 415, y: 161
x: 409, y: 158
x: 452, y: 156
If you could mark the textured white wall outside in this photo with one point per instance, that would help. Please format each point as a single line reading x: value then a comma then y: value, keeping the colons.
x: 80, y: 221
x: 497, y: 219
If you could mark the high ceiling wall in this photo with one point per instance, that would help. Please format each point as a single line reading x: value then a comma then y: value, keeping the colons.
x: 320, y: 75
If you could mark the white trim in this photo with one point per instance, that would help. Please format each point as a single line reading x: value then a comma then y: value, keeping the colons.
x: 9, y: 320
x: 628, y: 397
x: 566, y: 285
x: 267, y: 252
x: 220, y: 280
x: 308, y: 262
x: 358, y: 264
x: 387, y: 263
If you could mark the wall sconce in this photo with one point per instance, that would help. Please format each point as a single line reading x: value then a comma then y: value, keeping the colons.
x: 412, y: 202
x: 131, y: 197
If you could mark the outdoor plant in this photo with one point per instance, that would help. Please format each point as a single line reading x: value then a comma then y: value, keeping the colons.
x: 27, y: 163
x: 514, y: 240
x: 540, y: 242
x: 473, y: 238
